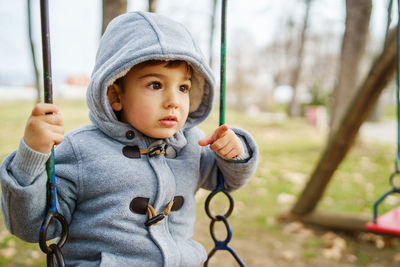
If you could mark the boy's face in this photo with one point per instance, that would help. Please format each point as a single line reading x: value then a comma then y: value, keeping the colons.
x: 154, y: 99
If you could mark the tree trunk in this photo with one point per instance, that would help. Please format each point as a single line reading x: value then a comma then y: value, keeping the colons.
x: 379, y: 76
x: 294, y: 109
x: 376, y: 113
x: 152, y: 5
x: 212, y: 30
x: 388, y: 19
x: 34, y: 63
x: 111, y: 9
x: 358, y: 13
x: 240, y: 88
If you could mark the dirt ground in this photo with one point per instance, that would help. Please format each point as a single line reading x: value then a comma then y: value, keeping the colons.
x: 296, y: 245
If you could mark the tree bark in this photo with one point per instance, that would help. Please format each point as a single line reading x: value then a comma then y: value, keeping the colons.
x: 334, y: 220
x: 353, y: 47
x: 388, y: 19
x: 380, y: 74
x: 152, y: 5
x: 111, y: 9
x: 294, y: 109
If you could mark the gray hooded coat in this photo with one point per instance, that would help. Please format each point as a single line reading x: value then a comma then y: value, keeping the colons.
x: 97, y: 182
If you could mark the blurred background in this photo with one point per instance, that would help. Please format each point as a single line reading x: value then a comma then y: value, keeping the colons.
x: 296, y: 69
x: 274, y: 48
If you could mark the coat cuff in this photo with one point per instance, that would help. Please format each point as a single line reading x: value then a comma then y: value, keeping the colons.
x: 28, y: 160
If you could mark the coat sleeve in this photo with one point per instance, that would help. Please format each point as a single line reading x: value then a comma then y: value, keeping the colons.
x: 23, y: 181
x: 236, y: 172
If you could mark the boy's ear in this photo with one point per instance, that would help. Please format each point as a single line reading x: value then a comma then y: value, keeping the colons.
x: 114, y: 97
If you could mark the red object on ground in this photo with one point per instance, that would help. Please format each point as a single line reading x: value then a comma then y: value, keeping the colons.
x: 389, y: 223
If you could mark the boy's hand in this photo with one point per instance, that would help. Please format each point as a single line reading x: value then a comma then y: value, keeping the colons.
x: 223, y: 141
x: 44, y: 128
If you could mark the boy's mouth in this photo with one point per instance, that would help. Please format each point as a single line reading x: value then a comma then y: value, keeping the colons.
x: 169, y: 121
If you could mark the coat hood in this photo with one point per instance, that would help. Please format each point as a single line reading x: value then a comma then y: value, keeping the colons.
x: 136, y: 37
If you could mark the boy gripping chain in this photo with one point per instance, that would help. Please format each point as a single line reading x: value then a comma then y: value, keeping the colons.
x: 141, y: 157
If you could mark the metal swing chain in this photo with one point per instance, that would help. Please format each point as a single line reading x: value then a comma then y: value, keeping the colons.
x: 395, y: 188
x: 222, y: 244
x: 53, y: 251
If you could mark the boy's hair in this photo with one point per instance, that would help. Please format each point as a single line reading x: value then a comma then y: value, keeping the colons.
x: 169, y: 64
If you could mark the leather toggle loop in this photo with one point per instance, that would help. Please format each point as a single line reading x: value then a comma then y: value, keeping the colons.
x: 140, y: 205
x: 134, y: 152
x: 154, y: 218
x: 153, y: 151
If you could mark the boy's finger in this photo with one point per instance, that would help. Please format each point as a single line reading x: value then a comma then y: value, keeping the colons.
x: 58, y: 138
x: 219, y: 143
x: 53, y: 119
x: 209, y: 139
x: 224, y: 151
x: 217, y: 134
x: 227, y: 152
x: 214, y: 136
x: 220, y: 131
x: 44, y: 108
x: 205, y: 141
x: 233, y: 153
x: 56, y: 129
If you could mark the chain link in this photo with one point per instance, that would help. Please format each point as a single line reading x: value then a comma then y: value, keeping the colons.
x: 221, y: 244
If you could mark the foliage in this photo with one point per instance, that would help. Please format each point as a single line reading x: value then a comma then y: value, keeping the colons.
x: 318, y: 96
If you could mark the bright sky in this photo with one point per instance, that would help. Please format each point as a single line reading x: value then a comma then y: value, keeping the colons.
x: 75, y: 28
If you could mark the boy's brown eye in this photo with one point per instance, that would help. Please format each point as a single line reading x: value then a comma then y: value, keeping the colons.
x: 184, y: 88
x: 155, y: 85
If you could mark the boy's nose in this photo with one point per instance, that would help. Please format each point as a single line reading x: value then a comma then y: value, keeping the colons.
x: 171, y: 100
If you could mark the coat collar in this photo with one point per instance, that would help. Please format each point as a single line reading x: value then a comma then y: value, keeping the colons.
x: 128, y: 135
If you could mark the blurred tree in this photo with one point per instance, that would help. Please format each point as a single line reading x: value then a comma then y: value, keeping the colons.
x: 294, y: 108
x: 242, y: 71
x: 212, y: 30
x: 317, y: 95
x: 380, y: 74
x: 376, y: 113
x: 280, y: 59
x: 388, y: 19
x: 275, y: 65
x: 111, y: 9
x: 35, y: 68
x: 358, y: 13
x: 241, y: 88
x: 280, y: 53
x: 152, y: 6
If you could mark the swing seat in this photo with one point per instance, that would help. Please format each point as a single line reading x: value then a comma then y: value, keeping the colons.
x: 388, y: 223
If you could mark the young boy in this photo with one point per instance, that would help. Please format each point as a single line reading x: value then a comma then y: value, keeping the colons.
x: 141, y: 157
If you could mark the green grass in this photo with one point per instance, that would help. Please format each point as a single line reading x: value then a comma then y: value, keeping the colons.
x: 310, y: 254
x: 288, y: 154
x: 389, y: 111
x: 363, y: 258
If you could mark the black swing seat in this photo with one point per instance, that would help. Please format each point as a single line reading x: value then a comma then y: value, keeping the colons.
x: 388, y: 223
